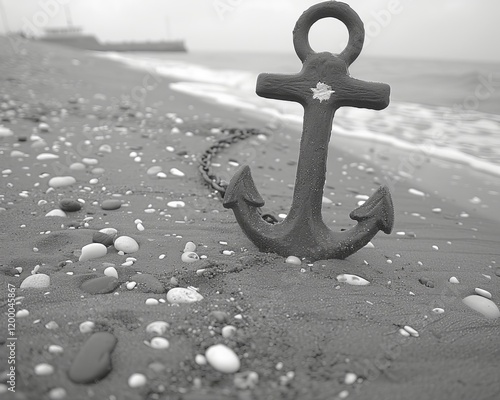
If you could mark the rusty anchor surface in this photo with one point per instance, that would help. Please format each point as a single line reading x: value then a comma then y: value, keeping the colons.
x: 321, y: 87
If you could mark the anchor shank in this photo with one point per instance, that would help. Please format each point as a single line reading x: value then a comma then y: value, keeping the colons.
x: 311, y: 168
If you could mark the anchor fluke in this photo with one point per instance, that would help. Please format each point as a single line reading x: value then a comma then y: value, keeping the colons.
x: 378, y: 208
x: 242, y: 187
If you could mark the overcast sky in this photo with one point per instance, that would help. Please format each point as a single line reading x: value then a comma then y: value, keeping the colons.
x: 452, y: 29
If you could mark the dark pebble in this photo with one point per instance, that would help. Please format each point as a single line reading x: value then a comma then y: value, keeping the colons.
x: 100, y: 285
x: 426, y: 282
x: 497, y: 271
x: 93, y: 361
x: 103, y: 238
x: 111, y: 204
x: 147, y: 283
x: 70, y: 205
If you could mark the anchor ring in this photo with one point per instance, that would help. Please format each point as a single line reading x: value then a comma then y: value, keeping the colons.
x: 333, y: 9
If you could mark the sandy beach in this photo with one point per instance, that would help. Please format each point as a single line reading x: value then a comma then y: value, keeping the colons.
x: 299, y: 333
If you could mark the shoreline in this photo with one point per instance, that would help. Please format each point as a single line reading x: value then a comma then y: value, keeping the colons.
x: 303, y: 332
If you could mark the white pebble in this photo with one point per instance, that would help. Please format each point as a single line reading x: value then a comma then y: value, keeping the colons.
x: 404, y: 332
x: 453, y: 280
x: 157, y: 327
x: 22, y: 313
x: 483, y: 305
x: 152, y: 302
x: 140, y: 227
x: 56, y: 213
x: 183, y: 295
x: 352, y: 280
x: 126, y: 244
x: 55, y: 349
x: 46, y: 156
x: 87, y: 327
x: 36, y: 281
x: 159, y: 343
x: 57, y: 393
x: 189, y: 257
x: 189, y: 247
x: 131, y: 285
x: 176, y: 204
x: 482, y: 292
x: 176, y: 172
x: 61, y: 181
x: 44, y: 369
x: 222, y: 359
x: 200, y: 359
x: 411, y: 331
x: 109, y: 231
x: 137, y: 380
x: 438, y: 310
x: 293, y: 260
x: 416, y: 192
x: 350, y: 378
x: 111, y: 271
x: 228, y: 331
x: 92, y: 251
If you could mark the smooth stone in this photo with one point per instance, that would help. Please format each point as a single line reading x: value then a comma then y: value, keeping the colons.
x: 352, y: 280
x: 77, y: 166
x: 293, y: 260
x: 151, y: 302
x: 100, y: 285
x: 189, y: 257
x: 105, y: 148
x: 189, y: 247
x: 111, y: 271
x: 453, y: 280
x: 111, y: 204
x: 154, y: 170
x: 137, y: 380
x: 93, y: 361
x: 36, y: 281
x: 5, y: 132
x: 183, y: 296
x: 56, y: 213
x: 126, y: 244
x: 92, y: 251
x: 482, y: 292
x: 482, y: 305
x: 222, y: 359
x: 86, y: 326
x: 70, y: 205
x: 157, y: 327
x: 109, y: 231
x: 176, y: 204
x: 46, y: 157
x: 103, y: 238
x: 61, y: 181
x: 176, y: 172
x: 228, y: 331
x: 159, y: 343
x: 147, y: 283
x: 44, y: 369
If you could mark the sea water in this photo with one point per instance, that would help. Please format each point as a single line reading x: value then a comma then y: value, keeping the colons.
x: 447, y: 109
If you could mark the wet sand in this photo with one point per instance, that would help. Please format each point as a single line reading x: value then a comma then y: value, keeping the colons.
x: 300, y: 330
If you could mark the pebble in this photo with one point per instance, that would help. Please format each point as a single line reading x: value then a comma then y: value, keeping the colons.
x: 111, y: 204
x: 58, y: 393
x: 77, y: 166
x: 350, y: 378
x: 176, y: 172
x: 22, y: 313
x: 352, y: 280
x: 52, y: 325
x: 411, y: 331
x: 159, y: 343
x: 482, y: 292
x: 103, y: 238
x: 86, y: 327
x: 70, y: 205
x: 5, y: 132
x: 55, y: 349
x: 137, y: 380
x: 105, y: 148
x: 109, y: 231
x: 157, y: 327
x: 61, y: 181
x: 293, y: 260
x: 228, y: 331
x: 56, y: 213
x: 36, y: 281
x: 246, y: 380
x: 416, y: 192
x: 438, y: 310
x: 100, y: 285
x: 200, y: 359
x: 189, y: 257
x: 176, y: 204
x: 93, y: 361
x: 46, y: 157
x: 131, y: 285
x: 151, y: 302
x: 44, y: 369
x: 126, y: 244
x: 183, y: 295
x: 453, y: 280
x: 483, y: 305
x: 147, y: 283
x: 92, y: 251
x: 154, y: 170
x: 189, y: 247
x: 111, y: 271
x: 43, y: 127
x: 222, y: 359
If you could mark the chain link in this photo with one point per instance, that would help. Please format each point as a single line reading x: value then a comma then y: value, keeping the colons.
x: 234, y: 135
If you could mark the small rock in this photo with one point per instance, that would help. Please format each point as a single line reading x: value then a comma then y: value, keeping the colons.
x: 37, y: 281
x: 176, y: 172
x: 482, y: 292
x: 92, y: 251
x: 352, y: 280
x: 176, y: 204
x: 147, y: 283
x: 61, y: 181
x: 159, y: 343
x: 22, y: 313
x: 293, y: 260
x: 103, y: 238
x: 154, y: 170
x: 93, y: 361
x: 454, y: 280
x: 189, y: 257
x: 5, y: 132
x: 137, y: 380
x: 483, y: 305
x: 46, y: 157
x: 157, y: 327
x: 100, y: 285
x: 222, y: 359
x: 111, y: 271
x: 56, y: 213
x: 109, y: 231
x: 151, y: 302
x: 111, y: 204
x: 183, y: 295
x: 126, y: 244
x: 86, y: 327
x: 189, y: 247
x: 55, y: 349
x: 70, y: 205
x: 228, y: 331
x: 57, y: 393
x: 44, y: 369
x: 350, y: 378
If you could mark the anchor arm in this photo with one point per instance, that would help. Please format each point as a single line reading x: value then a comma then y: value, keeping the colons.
x: 282, y: 87
x: 353, y: 92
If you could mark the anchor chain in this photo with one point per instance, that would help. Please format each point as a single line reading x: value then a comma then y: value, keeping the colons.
x: 234, y: 135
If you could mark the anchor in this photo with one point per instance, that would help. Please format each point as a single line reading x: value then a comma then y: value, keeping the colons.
x: 321, y: 87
